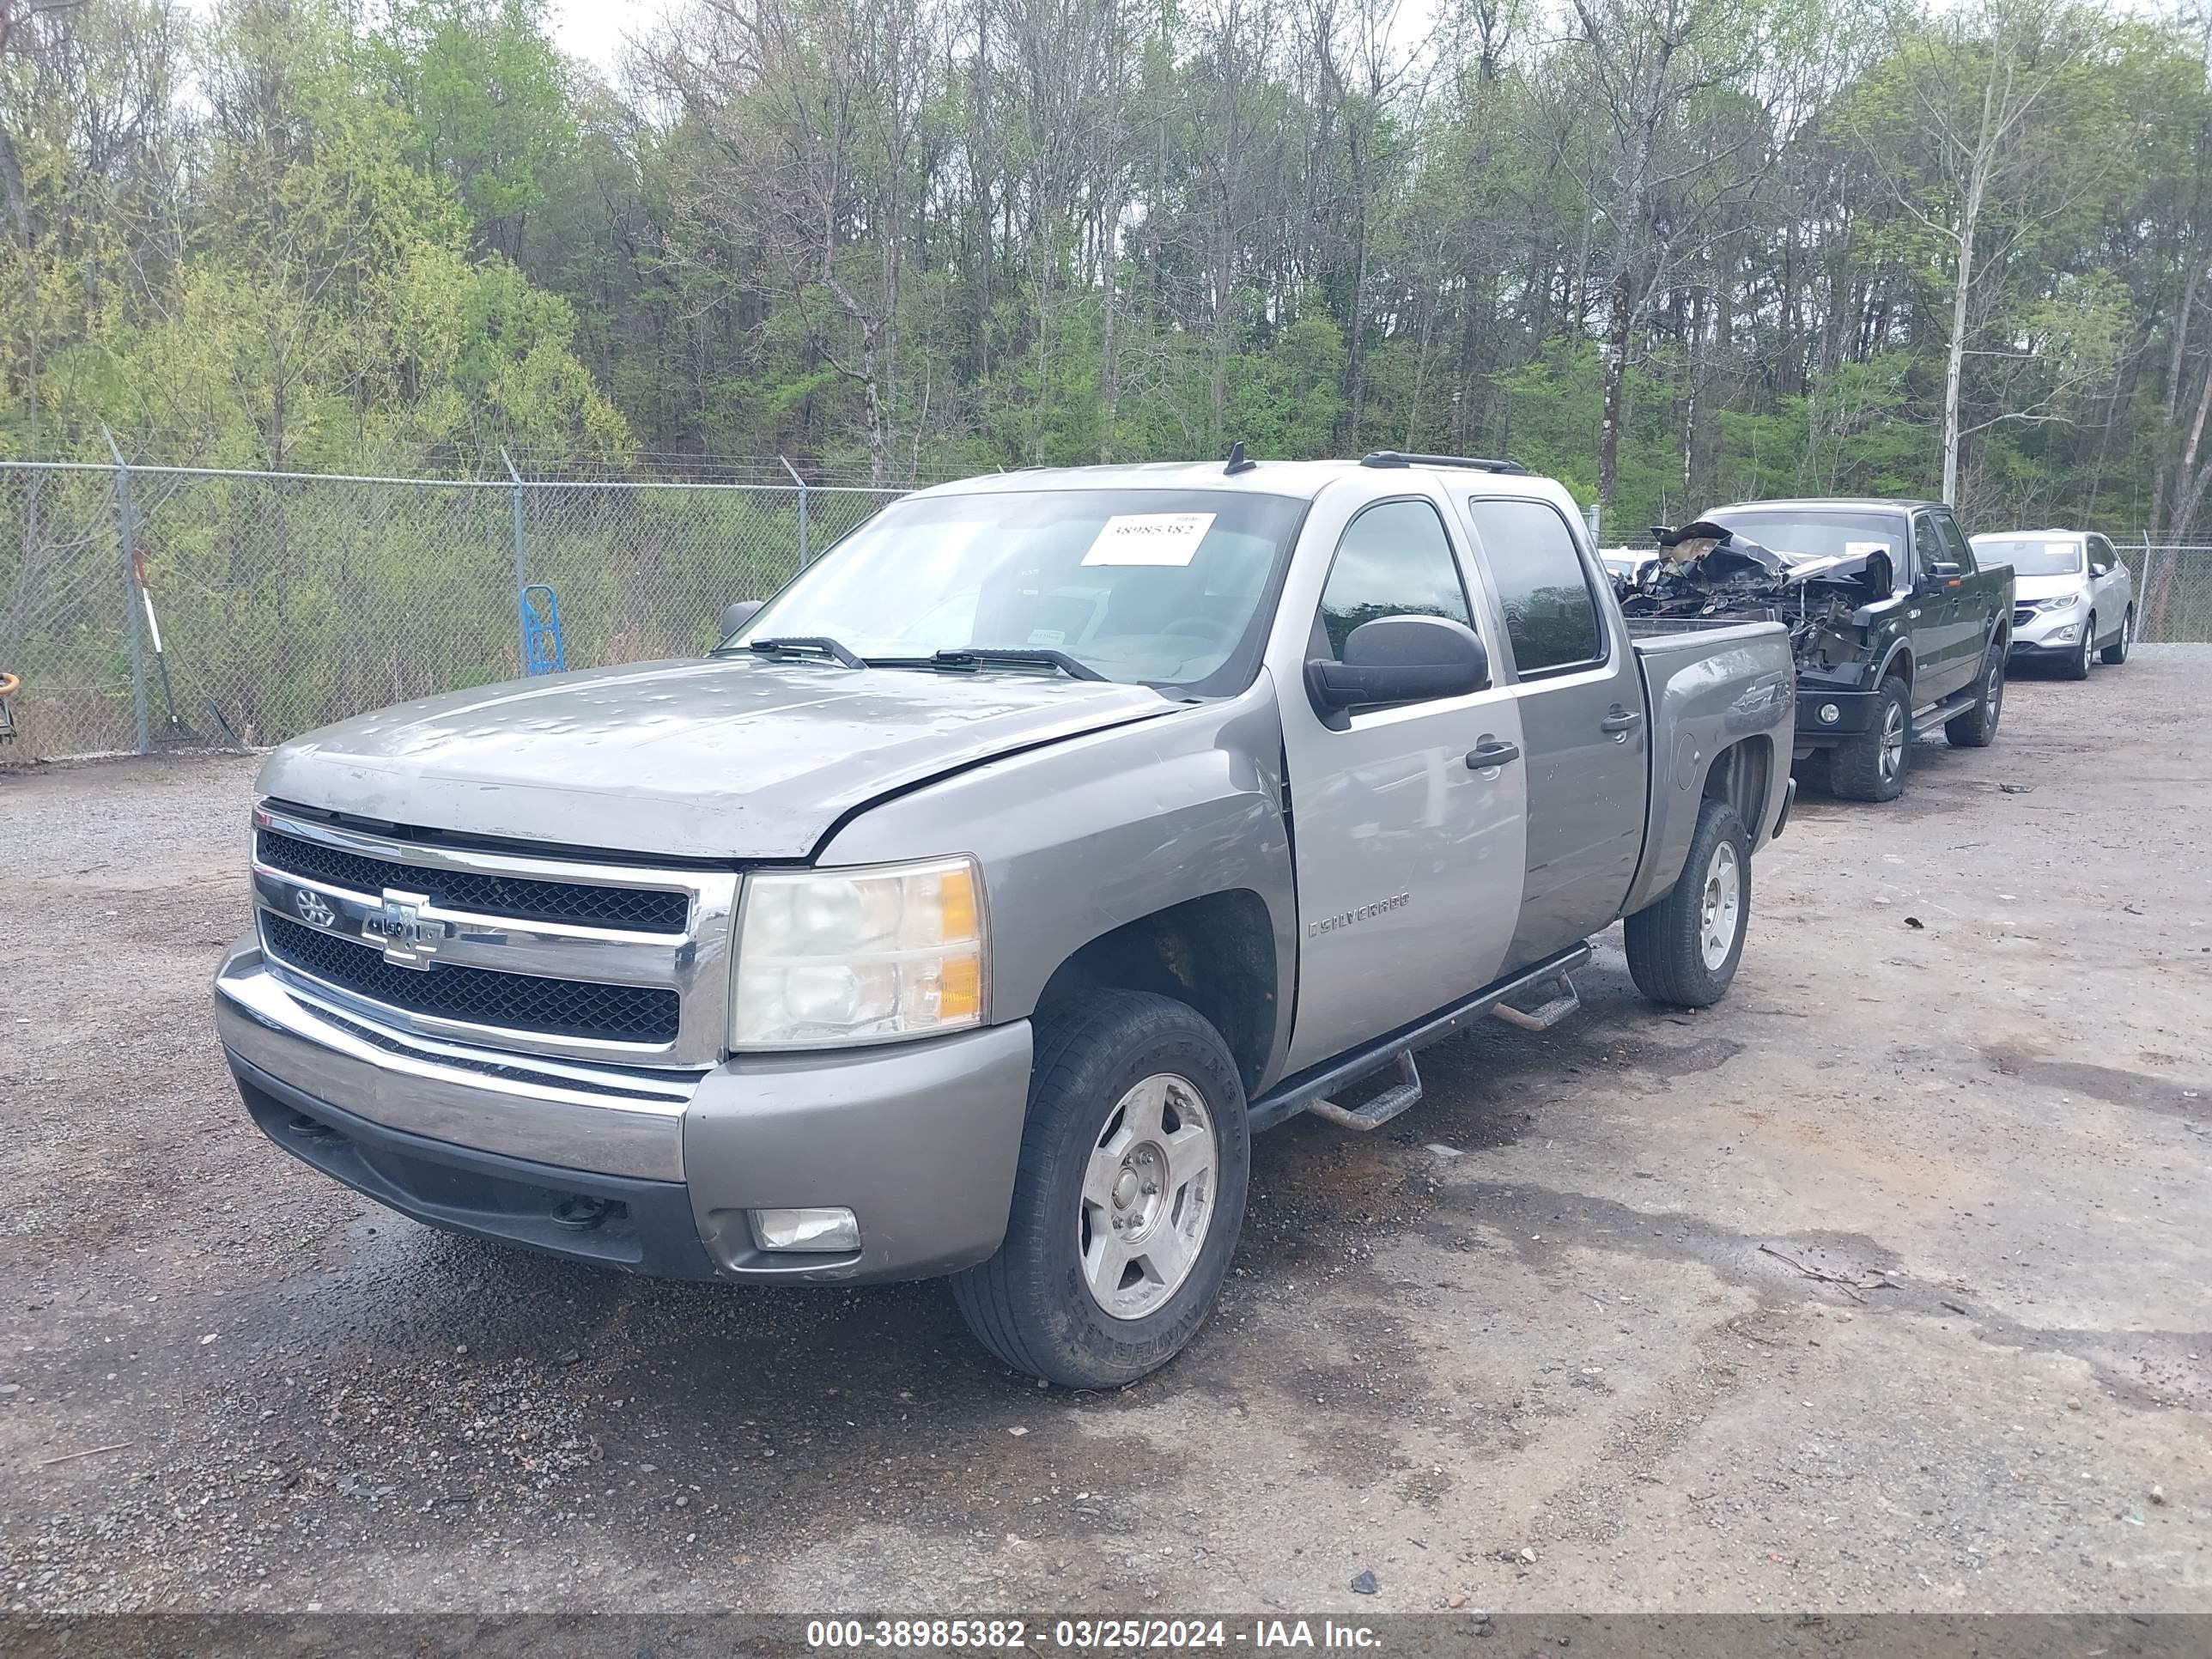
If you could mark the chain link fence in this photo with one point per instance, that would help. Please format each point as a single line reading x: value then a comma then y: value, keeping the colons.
x: 159, y: 606
x: 2174, y: 591
x: 172, y: 606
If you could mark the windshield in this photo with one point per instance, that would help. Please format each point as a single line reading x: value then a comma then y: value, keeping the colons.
x: 1163, y: 588
x: 1820, y: 535
x: 2032, y: 555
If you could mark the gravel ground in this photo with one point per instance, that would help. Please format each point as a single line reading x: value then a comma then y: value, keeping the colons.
x: 1880, y: 1286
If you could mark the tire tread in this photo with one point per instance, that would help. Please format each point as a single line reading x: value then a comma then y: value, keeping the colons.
x: 988, y: 1295
x: 1662, y: 938
x: 1855, y: 768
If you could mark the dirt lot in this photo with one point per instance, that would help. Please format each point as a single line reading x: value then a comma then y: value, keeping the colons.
x: 1882, y: 1286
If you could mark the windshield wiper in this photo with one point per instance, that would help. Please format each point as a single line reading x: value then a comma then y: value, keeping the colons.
x: 974, y: 656
x: 796, y: 643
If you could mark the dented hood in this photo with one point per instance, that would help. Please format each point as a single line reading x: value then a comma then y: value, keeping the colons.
x: 727, y: 758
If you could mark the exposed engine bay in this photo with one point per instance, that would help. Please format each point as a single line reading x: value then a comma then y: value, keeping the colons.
x: 1705, y: 571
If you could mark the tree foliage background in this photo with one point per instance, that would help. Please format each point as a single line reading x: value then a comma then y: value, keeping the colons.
x: 1674, y: 251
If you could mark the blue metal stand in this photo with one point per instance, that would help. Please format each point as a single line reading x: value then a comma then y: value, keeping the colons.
x: 542, y: 651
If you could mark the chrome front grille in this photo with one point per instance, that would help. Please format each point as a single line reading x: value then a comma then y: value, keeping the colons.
x: 537, y: 954
x: 642, y: 909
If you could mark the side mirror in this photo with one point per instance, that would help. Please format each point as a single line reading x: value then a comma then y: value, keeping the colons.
x: 737, y: 616
x: 1942, y: 569
x: 1399, y: 659
x: 2101, y: 570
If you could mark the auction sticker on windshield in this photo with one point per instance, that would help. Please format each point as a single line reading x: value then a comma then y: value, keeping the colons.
x: 1169, y: 538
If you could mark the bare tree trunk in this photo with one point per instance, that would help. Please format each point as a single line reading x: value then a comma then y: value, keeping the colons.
x: 1616, y: 386
x: 1955, y: 359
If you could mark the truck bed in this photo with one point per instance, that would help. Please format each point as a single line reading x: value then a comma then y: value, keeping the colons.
x: 1710, y: 682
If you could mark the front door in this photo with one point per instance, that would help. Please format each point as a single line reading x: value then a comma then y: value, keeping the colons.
x: 1936, y: 616
x: 1408, y: 855
x: 1582, y: 720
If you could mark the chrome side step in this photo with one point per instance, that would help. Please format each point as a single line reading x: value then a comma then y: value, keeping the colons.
x: 1403, y: 1094
x: 1546, y: 1015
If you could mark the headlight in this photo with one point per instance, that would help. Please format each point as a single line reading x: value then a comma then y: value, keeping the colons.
x: 830, y: 958
x: 2063, y: 602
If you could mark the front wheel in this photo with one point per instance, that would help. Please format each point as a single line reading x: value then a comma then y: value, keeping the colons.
x: 1127, y: 1198
x: 1872, y: 766
x: 1683, y: 950
x: 2116, y: 652
x: 2076, y: 667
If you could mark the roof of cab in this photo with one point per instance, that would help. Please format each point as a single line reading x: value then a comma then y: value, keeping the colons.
x: 1303, y: 479
x: 1830, y: 504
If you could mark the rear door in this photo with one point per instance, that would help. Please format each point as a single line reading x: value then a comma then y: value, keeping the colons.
x: 1585, y: 742
x: 2108, y: 594
x: 1973, y: 616
x: 1409, y: 856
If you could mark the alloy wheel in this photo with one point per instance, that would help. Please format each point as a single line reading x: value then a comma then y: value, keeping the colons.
x: 1716, y: 913
x: 1148, y: 1194
x: 1892, y: 741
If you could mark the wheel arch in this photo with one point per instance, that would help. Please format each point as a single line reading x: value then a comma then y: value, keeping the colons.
x: 1742, y: 775
x: 1215, y: 954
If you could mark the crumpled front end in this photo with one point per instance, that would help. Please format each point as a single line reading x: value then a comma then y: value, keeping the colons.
x: 1705, y: 571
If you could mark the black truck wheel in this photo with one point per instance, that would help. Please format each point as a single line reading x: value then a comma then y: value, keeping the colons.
x: 1977, y: 727
x: 1872, y: 766
x: 2116, y: 652
x: 1127, y: 1198
x: 1683, y: 950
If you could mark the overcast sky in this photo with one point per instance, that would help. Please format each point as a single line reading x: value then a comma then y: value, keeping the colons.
x: 593, y: 29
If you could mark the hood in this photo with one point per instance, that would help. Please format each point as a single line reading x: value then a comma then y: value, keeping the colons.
x: 2025, y: 588
x: 727, y: 758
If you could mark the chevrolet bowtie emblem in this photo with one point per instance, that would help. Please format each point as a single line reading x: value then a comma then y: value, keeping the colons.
x: 408, y: 939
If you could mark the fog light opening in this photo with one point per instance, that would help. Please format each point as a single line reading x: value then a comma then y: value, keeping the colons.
x: 1829, y: 714
x: 580, y: 1213
x: 820, y: 1231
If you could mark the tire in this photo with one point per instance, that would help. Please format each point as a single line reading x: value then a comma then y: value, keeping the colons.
x: 1032, y: 1303
x: 2116, y: 651
x: 1683, y: 950
x: 2076, y: 666
x: 1977, y: 727
x: 1873, y: 766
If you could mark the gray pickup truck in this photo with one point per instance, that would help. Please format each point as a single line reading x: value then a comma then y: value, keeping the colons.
x: 966, y: 909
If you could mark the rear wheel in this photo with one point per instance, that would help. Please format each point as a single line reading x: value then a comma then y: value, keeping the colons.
x: 1977, y: 727
x: 1683, y: 950
x: 1872, y: 766
x: 2077, y: 666
x: 1127, y: 1198
x: 2116, y: 651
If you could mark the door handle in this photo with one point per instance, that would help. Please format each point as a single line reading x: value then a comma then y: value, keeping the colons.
x: 1621, y: 720
x: 1488, y: 755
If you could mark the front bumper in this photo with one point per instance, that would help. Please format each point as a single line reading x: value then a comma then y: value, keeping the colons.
x: 1856, y: 713
x: 650, y: 1171
x: 2049, y: 634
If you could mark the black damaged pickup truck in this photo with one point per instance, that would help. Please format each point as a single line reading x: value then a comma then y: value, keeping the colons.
x: 1895, y: 626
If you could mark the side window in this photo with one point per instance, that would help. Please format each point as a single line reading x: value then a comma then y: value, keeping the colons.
x: 2100, y: 551
x: 1393, y: 561
x: 1955, y: 547
x: 1927, y: 548
x: 1543, y: 586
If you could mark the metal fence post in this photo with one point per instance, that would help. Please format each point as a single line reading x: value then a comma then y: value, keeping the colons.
x: 126, y: 524
x: 801, y: 483
x: 521, y: 570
